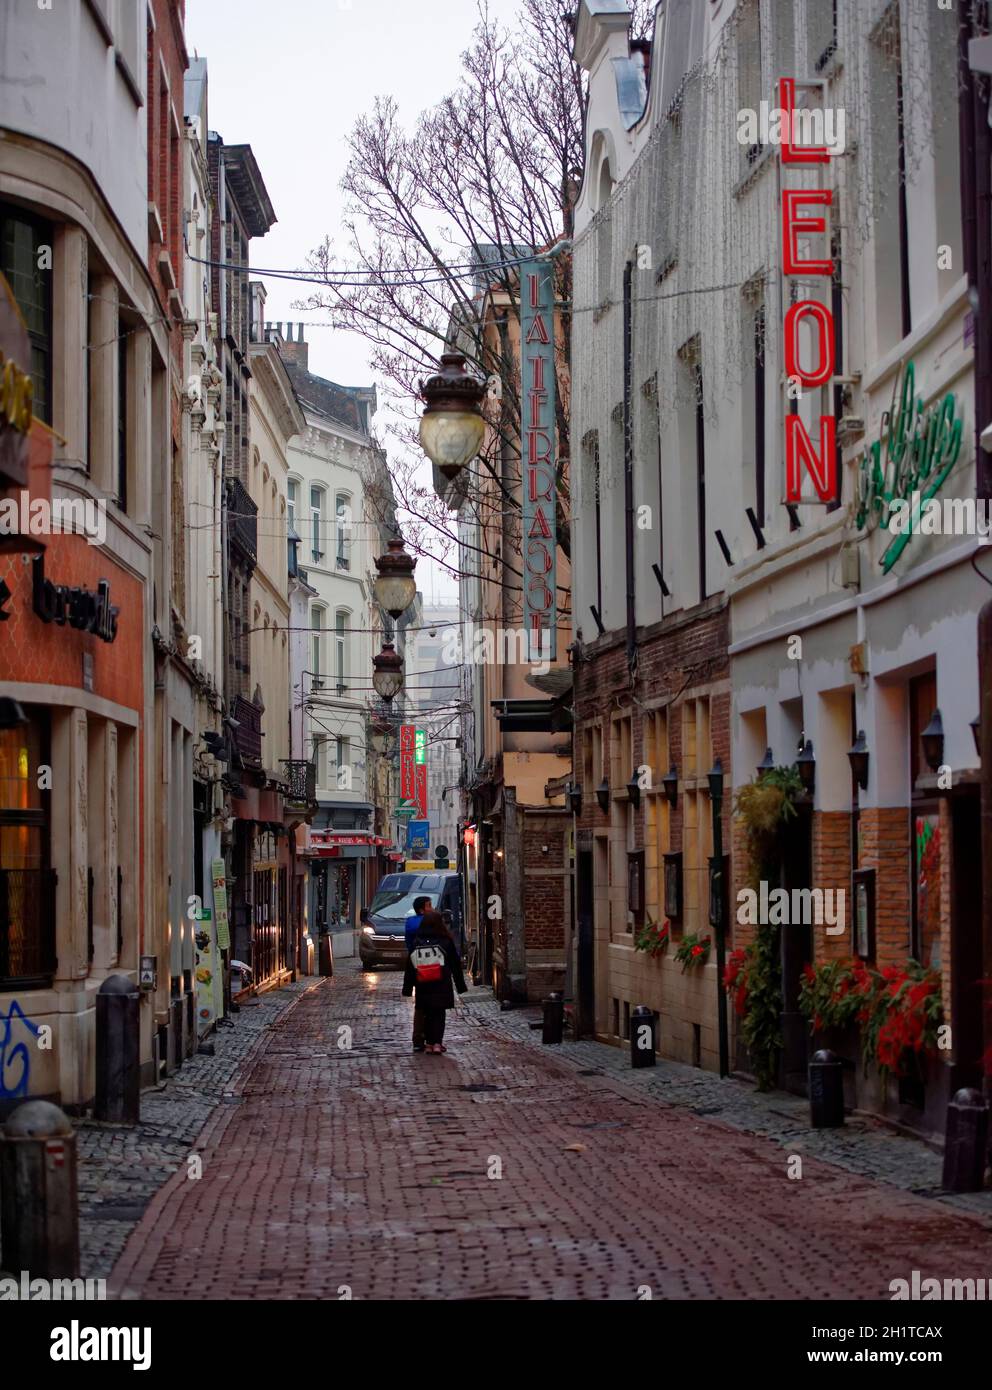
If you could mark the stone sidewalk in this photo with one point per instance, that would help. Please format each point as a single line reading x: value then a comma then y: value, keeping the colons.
x: 866, y: 1147
x: 121, y: 1168
x: 346, y: 1166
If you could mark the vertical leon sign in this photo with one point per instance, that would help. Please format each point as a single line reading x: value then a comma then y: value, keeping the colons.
x: 537, y: 410
x: 800, y: 452
x: 407, y: 738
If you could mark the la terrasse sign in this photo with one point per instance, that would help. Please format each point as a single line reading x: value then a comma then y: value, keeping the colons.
x: 538, y: 453
x: 921, y: 449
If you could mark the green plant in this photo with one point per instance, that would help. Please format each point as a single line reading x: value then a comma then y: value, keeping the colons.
x: 693, y: 950
x: 761, y: 1026
x: 898, y: 1009
x: 653, y: 938
x: 762, y: 806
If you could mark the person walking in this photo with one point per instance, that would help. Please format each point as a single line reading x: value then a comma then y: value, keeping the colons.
x: 410, y: 929
x: 432, y: 974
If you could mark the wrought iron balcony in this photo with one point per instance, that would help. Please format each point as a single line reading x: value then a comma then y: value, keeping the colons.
x: 242, y: 520
x: 302, y: 778
x: 248, y: 737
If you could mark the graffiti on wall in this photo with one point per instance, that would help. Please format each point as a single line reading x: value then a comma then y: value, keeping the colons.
x: 15, y: 1057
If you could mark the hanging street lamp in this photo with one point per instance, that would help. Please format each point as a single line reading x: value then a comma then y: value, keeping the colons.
x: 858, y: 757
x: 767, y: 763
x: 395, y: 587
x: 806, y: 766
x: 452, y: 426
x: 932, y: 739
x: 387, y: 672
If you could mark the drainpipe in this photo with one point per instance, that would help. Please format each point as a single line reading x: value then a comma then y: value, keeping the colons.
x: 628, y: 464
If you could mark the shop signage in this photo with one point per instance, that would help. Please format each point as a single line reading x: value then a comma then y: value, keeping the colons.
x: 16, y: 390
x: 538, y: 414
x: 80, y: 608
x: 407, y: 746
x: 921, y: 449
x: 419, y: 746
x: 421, y: 790
x: 418, y: 836
x: 218, y: 875
x: 800, y: 451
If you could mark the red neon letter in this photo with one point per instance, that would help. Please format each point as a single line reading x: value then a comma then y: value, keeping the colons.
x: 793, y: 198
x: 800, y: 454
x: 796, y: 154
x: 825, y: 323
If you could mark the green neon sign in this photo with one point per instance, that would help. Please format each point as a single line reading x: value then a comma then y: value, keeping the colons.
x: 921, y: 449
x: 420, y: 746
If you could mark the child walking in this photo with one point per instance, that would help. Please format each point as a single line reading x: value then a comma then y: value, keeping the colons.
x: 433, y: 971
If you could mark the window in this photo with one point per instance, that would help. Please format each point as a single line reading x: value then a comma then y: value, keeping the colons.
x: 342, y: 517
x: 340, y: 650
x: 890, y: 214
x: 316, y: 522
x: 316, y: 634
x: 593, y: 488
x: 293, y: 495
x: 27, y: 884
x: 123, y: 342
x: 749, y: 81
x: 341, y: 754
x: 821, y: 34
x: 753, y: 400
x: 24, y: 241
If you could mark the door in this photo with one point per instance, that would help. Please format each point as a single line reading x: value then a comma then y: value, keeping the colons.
x: 585, y: 963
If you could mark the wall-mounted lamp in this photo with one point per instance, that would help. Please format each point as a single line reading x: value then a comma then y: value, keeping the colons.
x: 573, y: 798
x: 634, y: 790
x: 715, y: 779
x: 857, y: 755
x: 767, y: 763
x: 603, y: 796
x: 670, y: 782
x: 933, y: 741
x: 976, y: 733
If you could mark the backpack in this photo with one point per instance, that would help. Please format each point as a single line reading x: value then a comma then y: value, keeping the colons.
x: 429, y: 963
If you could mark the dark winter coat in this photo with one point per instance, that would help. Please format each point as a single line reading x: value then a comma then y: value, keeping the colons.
x: 435, y: 994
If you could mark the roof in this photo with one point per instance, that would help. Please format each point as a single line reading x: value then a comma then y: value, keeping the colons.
x: 327, y: 398
x: 244, y: 180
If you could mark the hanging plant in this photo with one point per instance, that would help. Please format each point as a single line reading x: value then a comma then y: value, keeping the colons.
x: 653, y: 937
x: 762, y: 806
x: 898, y: 1009
x: 693, y: 950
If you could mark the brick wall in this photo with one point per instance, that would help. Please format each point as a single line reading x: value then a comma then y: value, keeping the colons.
x: 832, y: 870
x: 885, y: 847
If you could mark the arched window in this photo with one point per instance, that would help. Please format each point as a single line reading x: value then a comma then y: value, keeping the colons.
x: 342, y: 621
x: 343, y: 526
x: 316, y: 644
x: 316, y: 523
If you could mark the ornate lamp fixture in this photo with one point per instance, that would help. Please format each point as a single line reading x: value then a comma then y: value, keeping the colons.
x: 387, y: 672
x: 452, y: 427
x: 395, y: 587
x: 670, y: 782
x: 858, y: 757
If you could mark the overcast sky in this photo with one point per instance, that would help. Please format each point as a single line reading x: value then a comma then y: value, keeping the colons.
x: 290, y: 79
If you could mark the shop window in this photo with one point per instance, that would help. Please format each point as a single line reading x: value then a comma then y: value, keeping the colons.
x: 27, y: 881
x: 24, y: 240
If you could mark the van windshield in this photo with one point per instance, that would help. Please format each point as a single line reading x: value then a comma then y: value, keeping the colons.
x: 395, y: 905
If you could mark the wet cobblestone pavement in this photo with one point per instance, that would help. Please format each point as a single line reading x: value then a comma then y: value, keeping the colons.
x: 509, y: 1170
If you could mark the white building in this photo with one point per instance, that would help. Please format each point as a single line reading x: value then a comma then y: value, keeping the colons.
x: 329, y: 464
x: 434, y: 688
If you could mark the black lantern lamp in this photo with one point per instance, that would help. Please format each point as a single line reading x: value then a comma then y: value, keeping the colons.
x: 452, y: 427
x: 715, y: 779
x: 670, y: 782
x: 634, y: 790
x: 857, y: 756
x: 933, y: 741
x: 603, y: 796
x: 976, y: 733
x: 767, y: 763
x: 573, y: 798
x: 395, y: 587
x: 387, y: 672
x: 806, y: 767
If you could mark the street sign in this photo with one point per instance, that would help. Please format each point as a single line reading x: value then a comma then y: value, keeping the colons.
x: 418, y: 836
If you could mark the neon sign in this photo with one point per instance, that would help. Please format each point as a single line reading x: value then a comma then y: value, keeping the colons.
x: 921, y: 449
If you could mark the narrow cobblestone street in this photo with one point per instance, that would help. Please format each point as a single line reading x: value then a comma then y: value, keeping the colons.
x: 369, y: 1171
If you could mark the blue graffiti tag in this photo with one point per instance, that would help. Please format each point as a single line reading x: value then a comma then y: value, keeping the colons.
x: 19, y: 1053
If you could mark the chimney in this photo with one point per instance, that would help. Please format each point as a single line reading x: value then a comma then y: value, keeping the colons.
x: 295, y: 349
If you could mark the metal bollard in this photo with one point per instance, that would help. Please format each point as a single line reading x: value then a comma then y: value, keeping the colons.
x: 118, y: 1061
x: 39, y: 1201
x: 826, y: 1091
x: 554, y: 1018
x: 326, y: 955
x: 966, y: 1142
x: 642, y: 1037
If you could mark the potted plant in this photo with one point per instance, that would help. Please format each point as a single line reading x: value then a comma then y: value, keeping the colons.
x: 653, y: 937
x: 693, y: 950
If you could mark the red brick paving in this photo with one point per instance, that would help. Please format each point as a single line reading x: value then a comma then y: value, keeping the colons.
x: 368, y: 1169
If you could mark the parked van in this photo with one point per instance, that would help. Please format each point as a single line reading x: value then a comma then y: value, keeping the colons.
x: 381, y: 940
